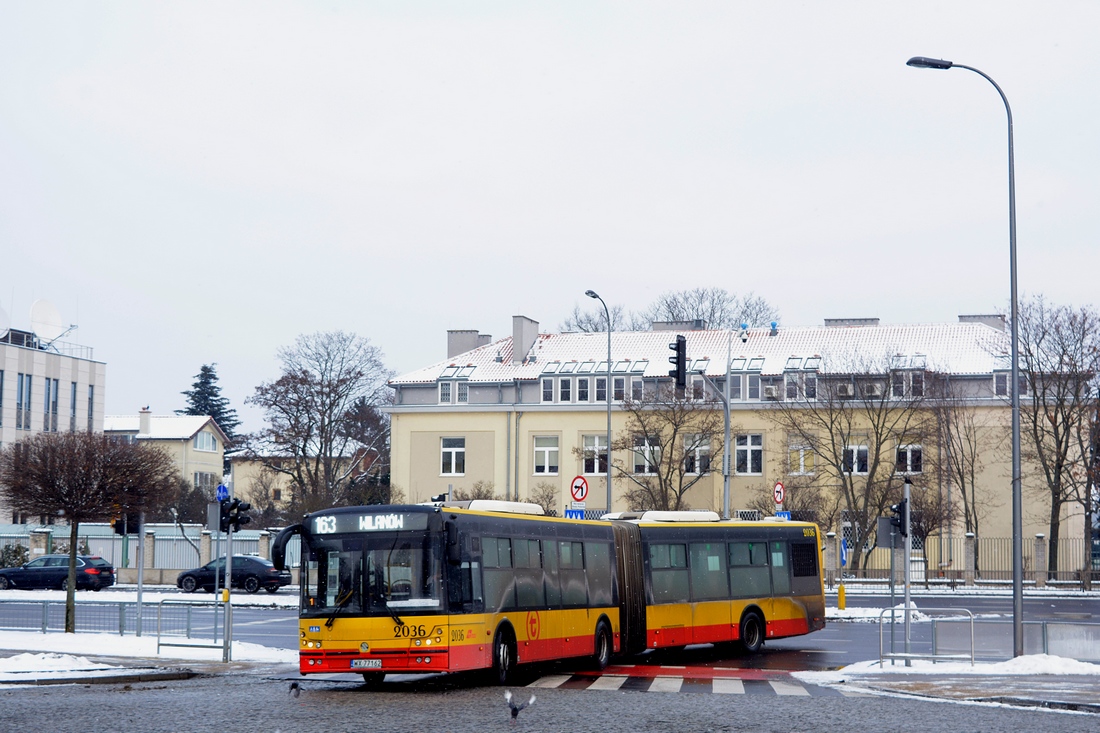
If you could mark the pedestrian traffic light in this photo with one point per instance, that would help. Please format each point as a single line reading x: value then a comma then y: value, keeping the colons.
x: 236, y: 514
x: 900, y: 518
x: 223, y: 514
x: 679, y: 372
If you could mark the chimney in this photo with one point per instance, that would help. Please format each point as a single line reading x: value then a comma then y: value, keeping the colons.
x: 144, y: 419
x: 524, y: 333
x: 994, y: 320
x: 850, y: 322
x: 459, y: 342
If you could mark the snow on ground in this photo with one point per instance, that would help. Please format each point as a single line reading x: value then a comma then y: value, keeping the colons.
x: 1030, y: 665
x: 286, y: 597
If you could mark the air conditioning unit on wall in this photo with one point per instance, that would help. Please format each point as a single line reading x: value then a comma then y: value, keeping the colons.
x: 770, y: 392
x: 872, y: 390
x: 844, y: 390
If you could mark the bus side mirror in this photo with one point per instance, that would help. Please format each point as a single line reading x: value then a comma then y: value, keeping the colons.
x: 454, y: 554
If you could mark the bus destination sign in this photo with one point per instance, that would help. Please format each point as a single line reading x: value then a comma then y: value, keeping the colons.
x: 369, y: 522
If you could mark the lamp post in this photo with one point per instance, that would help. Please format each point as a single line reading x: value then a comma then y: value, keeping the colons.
x: 607, y: 314
x: 922, y: 62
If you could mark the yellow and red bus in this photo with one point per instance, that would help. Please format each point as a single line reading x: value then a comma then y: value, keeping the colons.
x: 490, y: 584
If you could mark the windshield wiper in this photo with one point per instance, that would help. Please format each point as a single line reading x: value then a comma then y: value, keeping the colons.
x: 393, y: 613
x: 339, y: 607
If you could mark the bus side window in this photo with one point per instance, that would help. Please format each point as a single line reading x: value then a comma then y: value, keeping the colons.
x: 550, y: 565
x: 598, y: 555
x: 781, y: 576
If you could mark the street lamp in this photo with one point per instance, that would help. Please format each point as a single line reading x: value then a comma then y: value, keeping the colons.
x: 607, y: 314
x: 922, y: 62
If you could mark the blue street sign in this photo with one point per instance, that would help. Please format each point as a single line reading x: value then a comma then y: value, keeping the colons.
x: 783, y: 515
x: 574, y: 514
x: 843, y: 551
x: 223, y: 493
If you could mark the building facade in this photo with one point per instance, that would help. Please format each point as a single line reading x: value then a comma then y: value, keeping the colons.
x: 527, y: 414
x: 195, y: 443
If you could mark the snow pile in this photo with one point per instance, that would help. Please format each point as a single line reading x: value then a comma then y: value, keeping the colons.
x: 1030, y: 665
x: 871, y: 615
x: 143, y: 647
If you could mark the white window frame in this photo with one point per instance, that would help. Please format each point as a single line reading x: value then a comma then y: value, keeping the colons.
x: 637, y: 389
x: 910, y: 450
x: 853, y: 455
x: 1000, y: 384
x: 698, y: 388
x: 546, y: 455
x: 583, y: 393
x: 754, y: 387
x: 594, y: 455
x: 205, y: 442
x: 619, y: 384
x: 547, y: 386
x: 601, y: 392
x: 735, y: 386
x: 462, y: 392
x: 452, y: 456
x: 747, y: 447
x: 649, y: 455
x: 445, y: 392
x: 696, y: 454
x: 565, y: 389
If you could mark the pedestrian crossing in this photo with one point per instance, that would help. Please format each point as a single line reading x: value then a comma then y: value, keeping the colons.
x: 664, y: 681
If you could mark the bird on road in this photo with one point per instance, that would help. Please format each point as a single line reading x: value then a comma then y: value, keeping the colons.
x: 295, y: 688
x: 516, y: 706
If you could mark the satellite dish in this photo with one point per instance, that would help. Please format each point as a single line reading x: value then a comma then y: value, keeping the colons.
x: 5, y: 321
x: 45, y: 320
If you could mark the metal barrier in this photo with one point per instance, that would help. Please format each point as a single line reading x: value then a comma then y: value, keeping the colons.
x: 91, y: 616
x: 1072, y: 640
x: 934, y: 655
x: 189, y: 606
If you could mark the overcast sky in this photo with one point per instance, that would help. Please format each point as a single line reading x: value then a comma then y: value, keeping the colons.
x: 202, y: 182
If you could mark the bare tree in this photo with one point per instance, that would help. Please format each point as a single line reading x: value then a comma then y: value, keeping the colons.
x: 929, y: 513
x: 718, y: 307
x: 84, y: 477
x: 668, y: 438
x: 480, y: 490
x: 806, y: 500
x: 315, y: 414
x: 546, y: 496
x: 855, y: 428
x: 595, y: 320
x: 1060, y: 359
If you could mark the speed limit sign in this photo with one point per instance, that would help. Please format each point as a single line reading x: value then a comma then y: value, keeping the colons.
x: 780, y: 492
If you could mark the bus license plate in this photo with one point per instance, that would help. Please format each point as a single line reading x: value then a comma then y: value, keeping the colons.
x: 366, y: 663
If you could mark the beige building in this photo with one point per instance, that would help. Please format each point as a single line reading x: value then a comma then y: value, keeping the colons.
x: 195, y: 443
x: 529, y: 411
x: 46, y: 386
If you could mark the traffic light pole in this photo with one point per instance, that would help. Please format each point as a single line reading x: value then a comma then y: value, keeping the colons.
x: 227, y: 653
x: 908, y: 568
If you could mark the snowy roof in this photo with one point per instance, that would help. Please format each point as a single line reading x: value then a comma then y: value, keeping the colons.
x: 954, y: 348
x: 161, y: 427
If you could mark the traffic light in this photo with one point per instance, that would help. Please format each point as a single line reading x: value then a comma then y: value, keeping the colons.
x: 127, y: 524
x: 233, y: 514
x: 223, y: 514
x: 900, y: 518
x: 679, y: 373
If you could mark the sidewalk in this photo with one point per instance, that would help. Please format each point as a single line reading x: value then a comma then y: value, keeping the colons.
x: 1059, y: 692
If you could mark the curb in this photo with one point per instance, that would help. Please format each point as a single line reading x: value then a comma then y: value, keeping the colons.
x: 130, y: 676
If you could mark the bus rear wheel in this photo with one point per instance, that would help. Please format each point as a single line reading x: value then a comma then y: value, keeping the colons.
x: 752, y: 632
x: 504, y: 657
x: 602, y: 657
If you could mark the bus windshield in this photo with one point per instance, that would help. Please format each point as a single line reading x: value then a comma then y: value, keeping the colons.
x: 373, y: 576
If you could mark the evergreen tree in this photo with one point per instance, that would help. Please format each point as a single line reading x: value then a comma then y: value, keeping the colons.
x: 205, y: 398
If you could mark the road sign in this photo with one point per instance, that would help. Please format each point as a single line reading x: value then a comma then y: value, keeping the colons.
x: 783, y: 515
x: 780, y: 493
x: 579, y: 505
x: 574, y: 514
x: 579, y: 488
x: 223, y: 492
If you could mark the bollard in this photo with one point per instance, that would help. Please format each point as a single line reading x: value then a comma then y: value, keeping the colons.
x: 840, y: 596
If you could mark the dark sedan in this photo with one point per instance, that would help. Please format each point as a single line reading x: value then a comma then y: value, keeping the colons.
x: 52, y: 571
x: 249, y: 572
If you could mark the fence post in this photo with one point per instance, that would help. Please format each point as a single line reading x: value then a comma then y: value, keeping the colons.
x: 1039, y: 565
x: 150, y: 549
x: 204, y: 547
x: 969, y: 558
x: 264, y: 548
x: 830, y: 558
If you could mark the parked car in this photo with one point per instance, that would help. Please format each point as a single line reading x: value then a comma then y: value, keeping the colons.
x: 249, y: 572
x: 52, y: 571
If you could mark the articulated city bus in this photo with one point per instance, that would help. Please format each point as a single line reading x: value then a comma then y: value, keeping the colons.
x: 489, y: 584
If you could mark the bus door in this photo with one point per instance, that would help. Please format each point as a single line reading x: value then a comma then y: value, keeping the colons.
x: 710, y: 592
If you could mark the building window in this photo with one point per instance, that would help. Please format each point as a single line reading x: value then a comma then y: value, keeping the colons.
x: 49, y: 405
x: 900, y: 381
x: 547, y: 390
x: 792, y: 386
x: 206, y: 481
x: 72, y: 404
x: 276, y: 494
x: 445, y: 393
x: 897, y: 384
x: 453, y: 457
x: 91, y: 407
x: 647, y: 455
x: 735, y: 386
x: 546, y: 455
x: 582, y: 389
x: 637, y: 388
x: 698, y: 389
x: 750, y: 454
x: 855, y: 459
x: 463, y: 392
x: 696, y: 453
x: 754, y: 386
x: 601, y: 389
x: 565, y: 390
x: 23, y: 402
x: 910, y: 459
x: 801, y: 460
x: 595, y: 454
x: 620, y: 389
x: 1000, y: 382
x: 205, y: 441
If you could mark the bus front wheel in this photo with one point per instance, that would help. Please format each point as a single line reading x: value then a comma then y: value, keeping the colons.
x: 752, y: 633
x: 504, y: 656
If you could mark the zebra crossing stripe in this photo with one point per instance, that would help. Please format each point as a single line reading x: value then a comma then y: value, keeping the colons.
x: 787, y: 688
x: 666, y: 684
x: 608, y: 682
x: 727, y: 686
x: 554, y: 680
